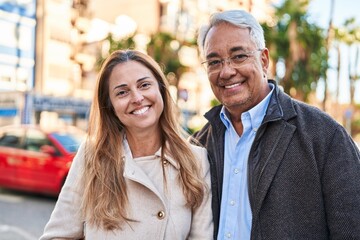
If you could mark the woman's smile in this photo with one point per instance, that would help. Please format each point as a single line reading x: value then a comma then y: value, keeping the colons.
x: 141, y: 111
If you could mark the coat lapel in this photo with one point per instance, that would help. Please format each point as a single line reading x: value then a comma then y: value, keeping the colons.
x: 136, y: 174
x: 278, y: 137
x: 270, y: 146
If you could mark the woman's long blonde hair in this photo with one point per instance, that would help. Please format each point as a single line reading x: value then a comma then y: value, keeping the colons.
x: 105, y: 194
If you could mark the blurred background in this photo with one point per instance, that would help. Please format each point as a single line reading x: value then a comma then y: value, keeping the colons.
x: 51, y: 51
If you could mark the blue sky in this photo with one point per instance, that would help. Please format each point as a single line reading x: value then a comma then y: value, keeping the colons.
x: 319, y: 11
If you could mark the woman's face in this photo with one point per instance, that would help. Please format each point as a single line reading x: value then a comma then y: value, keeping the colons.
x: 136, y: 98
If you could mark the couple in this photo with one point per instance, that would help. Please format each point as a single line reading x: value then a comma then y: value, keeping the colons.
x: 273, y: 168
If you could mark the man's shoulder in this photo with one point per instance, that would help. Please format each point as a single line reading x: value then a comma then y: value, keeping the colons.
x: 312, y: 112
x: 201, y: 134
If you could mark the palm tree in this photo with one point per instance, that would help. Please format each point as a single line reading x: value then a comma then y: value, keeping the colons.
x: 338, y: 38
x: 112, y: 44
x: 329, y: 38
x: 350, y: 35
x: 299, y: 45
x: 353, y: 42
x: 164, y: 48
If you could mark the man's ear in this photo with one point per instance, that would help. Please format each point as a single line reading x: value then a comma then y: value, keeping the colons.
x: 265, y: 59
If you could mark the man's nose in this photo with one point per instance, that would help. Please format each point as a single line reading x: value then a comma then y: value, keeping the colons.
x: 227, y: 70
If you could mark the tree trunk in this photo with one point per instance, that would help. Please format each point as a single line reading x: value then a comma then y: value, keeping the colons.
x: 338, y: 80
x: 328, y: 43
x: 354, y: 77
x: 294, y: 56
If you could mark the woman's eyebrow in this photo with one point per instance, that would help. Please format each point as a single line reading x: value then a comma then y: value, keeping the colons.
x: 120, y: 85
x: 141, y: 79
x: 124, y: 84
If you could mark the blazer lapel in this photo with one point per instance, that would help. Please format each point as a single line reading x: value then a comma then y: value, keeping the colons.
x: 136, y: 174
x: 277, y: 137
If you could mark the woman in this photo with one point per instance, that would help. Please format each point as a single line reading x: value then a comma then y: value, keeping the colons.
x: 135, y: 177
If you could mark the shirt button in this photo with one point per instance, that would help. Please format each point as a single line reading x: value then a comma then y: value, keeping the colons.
x: 228, y: 235
x: 232, y: 202
x: 164, y: 162
x: 236, y: 171
x: 161, y: 215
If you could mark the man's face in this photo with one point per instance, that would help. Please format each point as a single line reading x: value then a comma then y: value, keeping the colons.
x: 238, y: 87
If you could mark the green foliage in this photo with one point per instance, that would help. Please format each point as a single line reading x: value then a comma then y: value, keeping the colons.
x: 300, y: 45
x: 113, y: 45
x: 214, y: 102
x: 355, y: 126
x: 125, y: 43
x: 164, y: 48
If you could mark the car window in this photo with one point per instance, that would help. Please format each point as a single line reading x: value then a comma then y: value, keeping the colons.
x: 69, y: 141
x: 35, y: 139
x: 12, y: 138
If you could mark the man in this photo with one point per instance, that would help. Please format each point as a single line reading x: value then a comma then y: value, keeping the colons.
x: 281, y: 169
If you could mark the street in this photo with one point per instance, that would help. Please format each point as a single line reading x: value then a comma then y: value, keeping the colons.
x: 23, y: 215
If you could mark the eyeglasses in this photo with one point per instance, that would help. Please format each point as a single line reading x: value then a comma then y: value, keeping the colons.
x: 215, y: 65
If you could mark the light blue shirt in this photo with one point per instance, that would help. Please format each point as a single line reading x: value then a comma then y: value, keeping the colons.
x: 236, y: 216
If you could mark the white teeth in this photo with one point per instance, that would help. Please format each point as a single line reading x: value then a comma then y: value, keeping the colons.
x: 234, y: 85
x: 140, y: 111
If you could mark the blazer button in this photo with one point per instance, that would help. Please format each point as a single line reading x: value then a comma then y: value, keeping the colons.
x: 160, y: 214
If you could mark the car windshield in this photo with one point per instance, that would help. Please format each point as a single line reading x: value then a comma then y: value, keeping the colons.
x: 70, y: 142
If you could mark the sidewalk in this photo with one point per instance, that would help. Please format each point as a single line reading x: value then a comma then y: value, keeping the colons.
x: 14, y: 233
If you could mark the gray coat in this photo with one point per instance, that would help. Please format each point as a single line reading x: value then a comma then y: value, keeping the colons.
x: 304, y: 173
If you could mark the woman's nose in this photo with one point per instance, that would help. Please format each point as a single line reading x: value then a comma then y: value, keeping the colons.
x: 137, y: 97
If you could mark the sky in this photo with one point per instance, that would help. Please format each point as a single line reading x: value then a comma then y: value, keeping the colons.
x: 319, y: 11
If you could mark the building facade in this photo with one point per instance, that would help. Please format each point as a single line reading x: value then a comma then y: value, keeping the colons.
x: 17, y: 57
x: 48, y: 57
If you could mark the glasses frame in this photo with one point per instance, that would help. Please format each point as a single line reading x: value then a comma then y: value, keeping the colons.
x: 230, y: 61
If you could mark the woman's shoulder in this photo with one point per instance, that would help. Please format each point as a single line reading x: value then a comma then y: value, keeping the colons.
x: 201, y: 153
x: 198, y: 149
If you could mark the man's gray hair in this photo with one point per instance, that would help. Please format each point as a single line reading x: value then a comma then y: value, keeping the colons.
x: 239, y: 18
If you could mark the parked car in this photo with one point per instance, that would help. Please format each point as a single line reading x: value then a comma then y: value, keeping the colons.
x: 37, y: 160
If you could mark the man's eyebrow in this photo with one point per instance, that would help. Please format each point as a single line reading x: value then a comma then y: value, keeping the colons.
x: 238, y: 48
x: 233, y: 49
x: 212, y: 55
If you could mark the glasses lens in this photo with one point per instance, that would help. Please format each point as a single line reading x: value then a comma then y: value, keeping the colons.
x: 214, y: 65
x: 238, y: 59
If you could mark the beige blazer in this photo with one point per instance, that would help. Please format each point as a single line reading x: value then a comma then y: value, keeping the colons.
x: 159, y: 213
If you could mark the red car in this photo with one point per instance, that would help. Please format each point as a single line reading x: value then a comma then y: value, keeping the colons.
x: 35, y: 160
